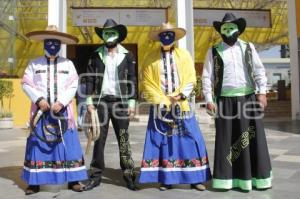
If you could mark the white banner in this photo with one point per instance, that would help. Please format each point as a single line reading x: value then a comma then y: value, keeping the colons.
x: 254, y: 18
x: 128, y: 17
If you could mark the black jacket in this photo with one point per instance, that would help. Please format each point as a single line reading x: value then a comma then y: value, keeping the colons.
x: 126, y: 75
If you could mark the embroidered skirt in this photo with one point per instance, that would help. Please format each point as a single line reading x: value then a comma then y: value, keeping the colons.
x: 176, y: 159
x: 53, y: 163
x: 241, y: 153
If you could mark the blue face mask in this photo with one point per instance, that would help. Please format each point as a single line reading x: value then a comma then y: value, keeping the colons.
x: 52, y: 46
x: 167, y: 38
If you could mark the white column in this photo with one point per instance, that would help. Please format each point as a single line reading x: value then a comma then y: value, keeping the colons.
x: 185, y: 19
x: 57, y: 15
x: 294, y: 60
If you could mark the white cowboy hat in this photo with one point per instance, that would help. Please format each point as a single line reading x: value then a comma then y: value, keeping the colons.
x: 179, y: 32
x: 52, y: 32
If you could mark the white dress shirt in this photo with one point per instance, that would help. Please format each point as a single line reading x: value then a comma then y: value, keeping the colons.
x: 109, y: 80
x: 235, y: 70
x: 110, y: 85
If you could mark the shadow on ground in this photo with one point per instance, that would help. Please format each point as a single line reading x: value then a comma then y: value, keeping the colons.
x: 13, y: 173
x: 115, y: 177
x: 284, y: 126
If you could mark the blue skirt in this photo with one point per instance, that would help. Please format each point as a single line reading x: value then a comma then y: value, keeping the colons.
x: 53, y: 163
x: 176, y: 159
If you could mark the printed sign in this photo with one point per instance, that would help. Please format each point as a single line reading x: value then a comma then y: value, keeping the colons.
x: 255, y: 18
x: 128, y: 17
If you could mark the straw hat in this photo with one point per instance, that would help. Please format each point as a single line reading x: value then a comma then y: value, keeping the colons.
x: 52, y: 32
x: 179, y: 32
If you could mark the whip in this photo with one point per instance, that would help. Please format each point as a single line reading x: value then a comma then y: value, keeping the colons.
x: 47, y: 135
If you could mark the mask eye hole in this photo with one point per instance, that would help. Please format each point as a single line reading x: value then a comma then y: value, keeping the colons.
x: 49, y: 43
x: 167, y: 35
x: 109, y: 34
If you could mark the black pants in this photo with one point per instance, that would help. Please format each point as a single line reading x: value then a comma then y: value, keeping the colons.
x: 111, y: 108
x: 241, y: 150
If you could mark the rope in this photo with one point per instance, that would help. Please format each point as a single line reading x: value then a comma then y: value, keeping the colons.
x: 91, y: 128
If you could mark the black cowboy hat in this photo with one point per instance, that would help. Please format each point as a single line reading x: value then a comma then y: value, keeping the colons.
x: 230, y: 18
x: 111, y: 24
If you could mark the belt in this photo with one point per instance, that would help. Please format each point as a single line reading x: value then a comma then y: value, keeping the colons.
x: 110, y: 98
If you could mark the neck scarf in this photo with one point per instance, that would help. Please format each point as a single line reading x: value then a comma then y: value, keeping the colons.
x: 48, y: 79
x: 177, y: 117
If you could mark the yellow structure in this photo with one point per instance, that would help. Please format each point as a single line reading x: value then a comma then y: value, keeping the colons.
x: 20, y: 104
x: 298, y: 17
x: 32, y: 15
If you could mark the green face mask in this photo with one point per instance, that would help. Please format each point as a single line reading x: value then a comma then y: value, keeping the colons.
x: 228, y: 29
x: 110, y: 35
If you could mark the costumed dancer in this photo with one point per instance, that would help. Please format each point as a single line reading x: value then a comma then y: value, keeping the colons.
x: 111, y: 89
x: 53, y: 152
x: 174, y: 151
x: 234, y: 71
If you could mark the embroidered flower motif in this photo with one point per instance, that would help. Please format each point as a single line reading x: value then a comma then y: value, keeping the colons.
x: 180, y: 163
x: 144, y: 164
x: 39, y: 163
x: 52, y: 164
x: 204, y: 160
x: 174, y: 163
x: 170, y: 165
x: 165, y: 163
x: 196, y: 163
x: 155, y: 163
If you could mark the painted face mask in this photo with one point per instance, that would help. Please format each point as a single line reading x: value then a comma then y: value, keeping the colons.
x: 230, y: 33
x: 52, y: 47
x: 110, y: 37
x: 167, y: 38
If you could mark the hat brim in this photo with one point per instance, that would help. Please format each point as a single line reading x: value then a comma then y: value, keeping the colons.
x: 122, y: 30
x: 45, y: 34
x: 240, y: 22
x: 179, y: 33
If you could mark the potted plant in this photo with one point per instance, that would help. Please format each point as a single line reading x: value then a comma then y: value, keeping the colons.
x: 6, y: 92
x: 198, y: 89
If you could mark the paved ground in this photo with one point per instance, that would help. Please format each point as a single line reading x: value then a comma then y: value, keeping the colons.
x: 283, y: 144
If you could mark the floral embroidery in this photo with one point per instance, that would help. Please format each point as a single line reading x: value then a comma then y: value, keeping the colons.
x: 175, y: 163
x: 53, y: 164
x: 125, y: 151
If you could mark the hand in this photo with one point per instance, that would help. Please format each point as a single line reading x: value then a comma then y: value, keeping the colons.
x: 43, y: 105
x: 90, y: 108
x: 56, y: 107
x: 262, y: 99
x: 175, y: 99
x: 131, y: 112
x: 211, y: 107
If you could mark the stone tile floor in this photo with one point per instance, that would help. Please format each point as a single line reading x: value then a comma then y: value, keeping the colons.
x: 283, y: 145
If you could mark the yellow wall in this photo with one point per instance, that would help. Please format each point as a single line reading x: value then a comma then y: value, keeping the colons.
x: 20, y: 104
x: 298, y: 16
